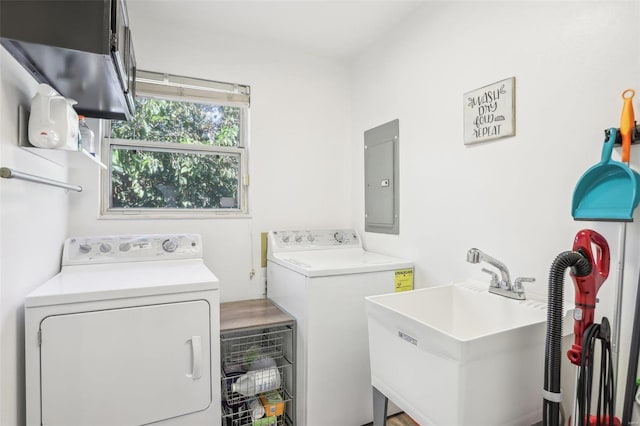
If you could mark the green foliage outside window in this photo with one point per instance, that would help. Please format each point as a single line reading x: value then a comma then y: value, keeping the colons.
x: 165, y: 176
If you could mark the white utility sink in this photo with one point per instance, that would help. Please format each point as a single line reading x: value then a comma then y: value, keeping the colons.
x: 456, y: 355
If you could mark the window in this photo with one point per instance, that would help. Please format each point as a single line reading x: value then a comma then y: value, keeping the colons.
x: 182, y: 154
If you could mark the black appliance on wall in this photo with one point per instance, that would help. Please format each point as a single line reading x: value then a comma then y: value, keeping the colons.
x: 83, y: 49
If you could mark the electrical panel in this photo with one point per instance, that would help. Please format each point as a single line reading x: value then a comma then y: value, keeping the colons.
x: 381, y: 192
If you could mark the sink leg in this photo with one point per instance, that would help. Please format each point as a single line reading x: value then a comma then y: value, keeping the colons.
x: 379, y: 408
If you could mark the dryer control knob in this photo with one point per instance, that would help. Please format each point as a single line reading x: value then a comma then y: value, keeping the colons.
x: 105, y: 248
x: 285, y: 238
x: 298, y: 238
x: 125, y: 246
x: 169, y: 245
x: 84, y: 248
x: 310, y: 238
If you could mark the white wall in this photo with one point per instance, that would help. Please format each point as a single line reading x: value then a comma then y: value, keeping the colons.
x: 511, y: 197
x: 299, y: 148
x: 33, y: 221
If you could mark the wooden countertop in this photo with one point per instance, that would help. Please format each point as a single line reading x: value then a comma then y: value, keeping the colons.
x: 251, y: 314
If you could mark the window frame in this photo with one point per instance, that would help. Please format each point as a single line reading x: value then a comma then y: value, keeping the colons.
x: 185, y: 89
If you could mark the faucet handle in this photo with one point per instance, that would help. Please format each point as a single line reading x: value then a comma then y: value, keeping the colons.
x: 495, y: 281
x: 517, y: 284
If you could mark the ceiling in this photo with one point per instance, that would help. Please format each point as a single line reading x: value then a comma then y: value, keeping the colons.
x: 338, y: 28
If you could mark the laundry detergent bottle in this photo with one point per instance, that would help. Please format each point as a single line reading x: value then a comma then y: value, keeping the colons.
x: 257, y: 381
x: 53, y: 123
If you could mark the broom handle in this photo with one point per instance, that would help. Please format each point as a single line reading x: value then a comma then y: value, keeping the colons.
x: 627, y: 125
x: 617, y: 309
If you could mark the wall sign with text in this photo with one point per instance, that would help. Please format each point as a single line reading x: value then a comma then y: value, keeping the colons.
x: 489, y: 112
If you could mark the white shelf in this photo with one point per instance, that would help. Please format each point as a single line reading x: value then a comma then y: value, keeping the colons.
x: 72, y: 159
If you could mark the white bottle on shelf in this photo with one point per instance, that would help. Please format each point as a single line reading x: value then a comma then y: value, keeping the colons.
x: 87, y: 138
x: 257, y: 381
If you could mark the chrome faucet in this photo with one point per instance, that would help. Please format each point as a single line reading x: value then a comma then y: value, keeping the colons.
x: 499, y: 285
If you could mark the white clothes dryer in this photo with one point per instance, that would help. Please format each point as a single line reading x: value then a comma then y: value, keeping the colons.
x: 321, y: 277
x: 126, y: 334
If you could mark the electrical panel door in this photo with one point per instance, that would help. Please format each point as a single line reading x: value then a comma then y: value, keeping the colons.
x: 381, y: 178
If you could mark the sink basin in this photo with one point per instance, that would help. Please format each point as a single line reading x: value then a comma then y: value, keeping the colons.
x: 458, y: 355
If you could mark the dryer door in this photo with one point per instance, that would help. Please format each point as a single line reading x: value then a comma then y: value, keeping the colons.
x: 126, y: 366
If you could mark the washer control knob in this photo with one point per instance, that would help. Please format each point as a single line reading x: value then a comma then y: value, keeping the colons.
x: 310, y: 238
x: 125, y: 247
x: 285, y: 238
x: 169, y: 245
x: 105, y: 248
x: 339, y: 237
x: 298, y: 238
x: 84, y: 248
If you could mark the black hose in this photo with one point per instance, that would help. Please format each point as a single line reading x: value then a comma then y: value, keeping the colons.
x: 581, y: 266
x: 605, y: 407
x: 632, y: 369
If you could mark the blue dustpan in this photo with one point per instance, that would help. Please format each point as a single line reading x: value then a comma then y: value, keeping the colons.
x: 608, y: 191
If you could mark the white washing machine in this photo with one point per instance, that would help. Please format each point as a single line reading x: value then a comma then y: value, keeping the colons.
x: 322, y: 277
x: 126, y: 334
